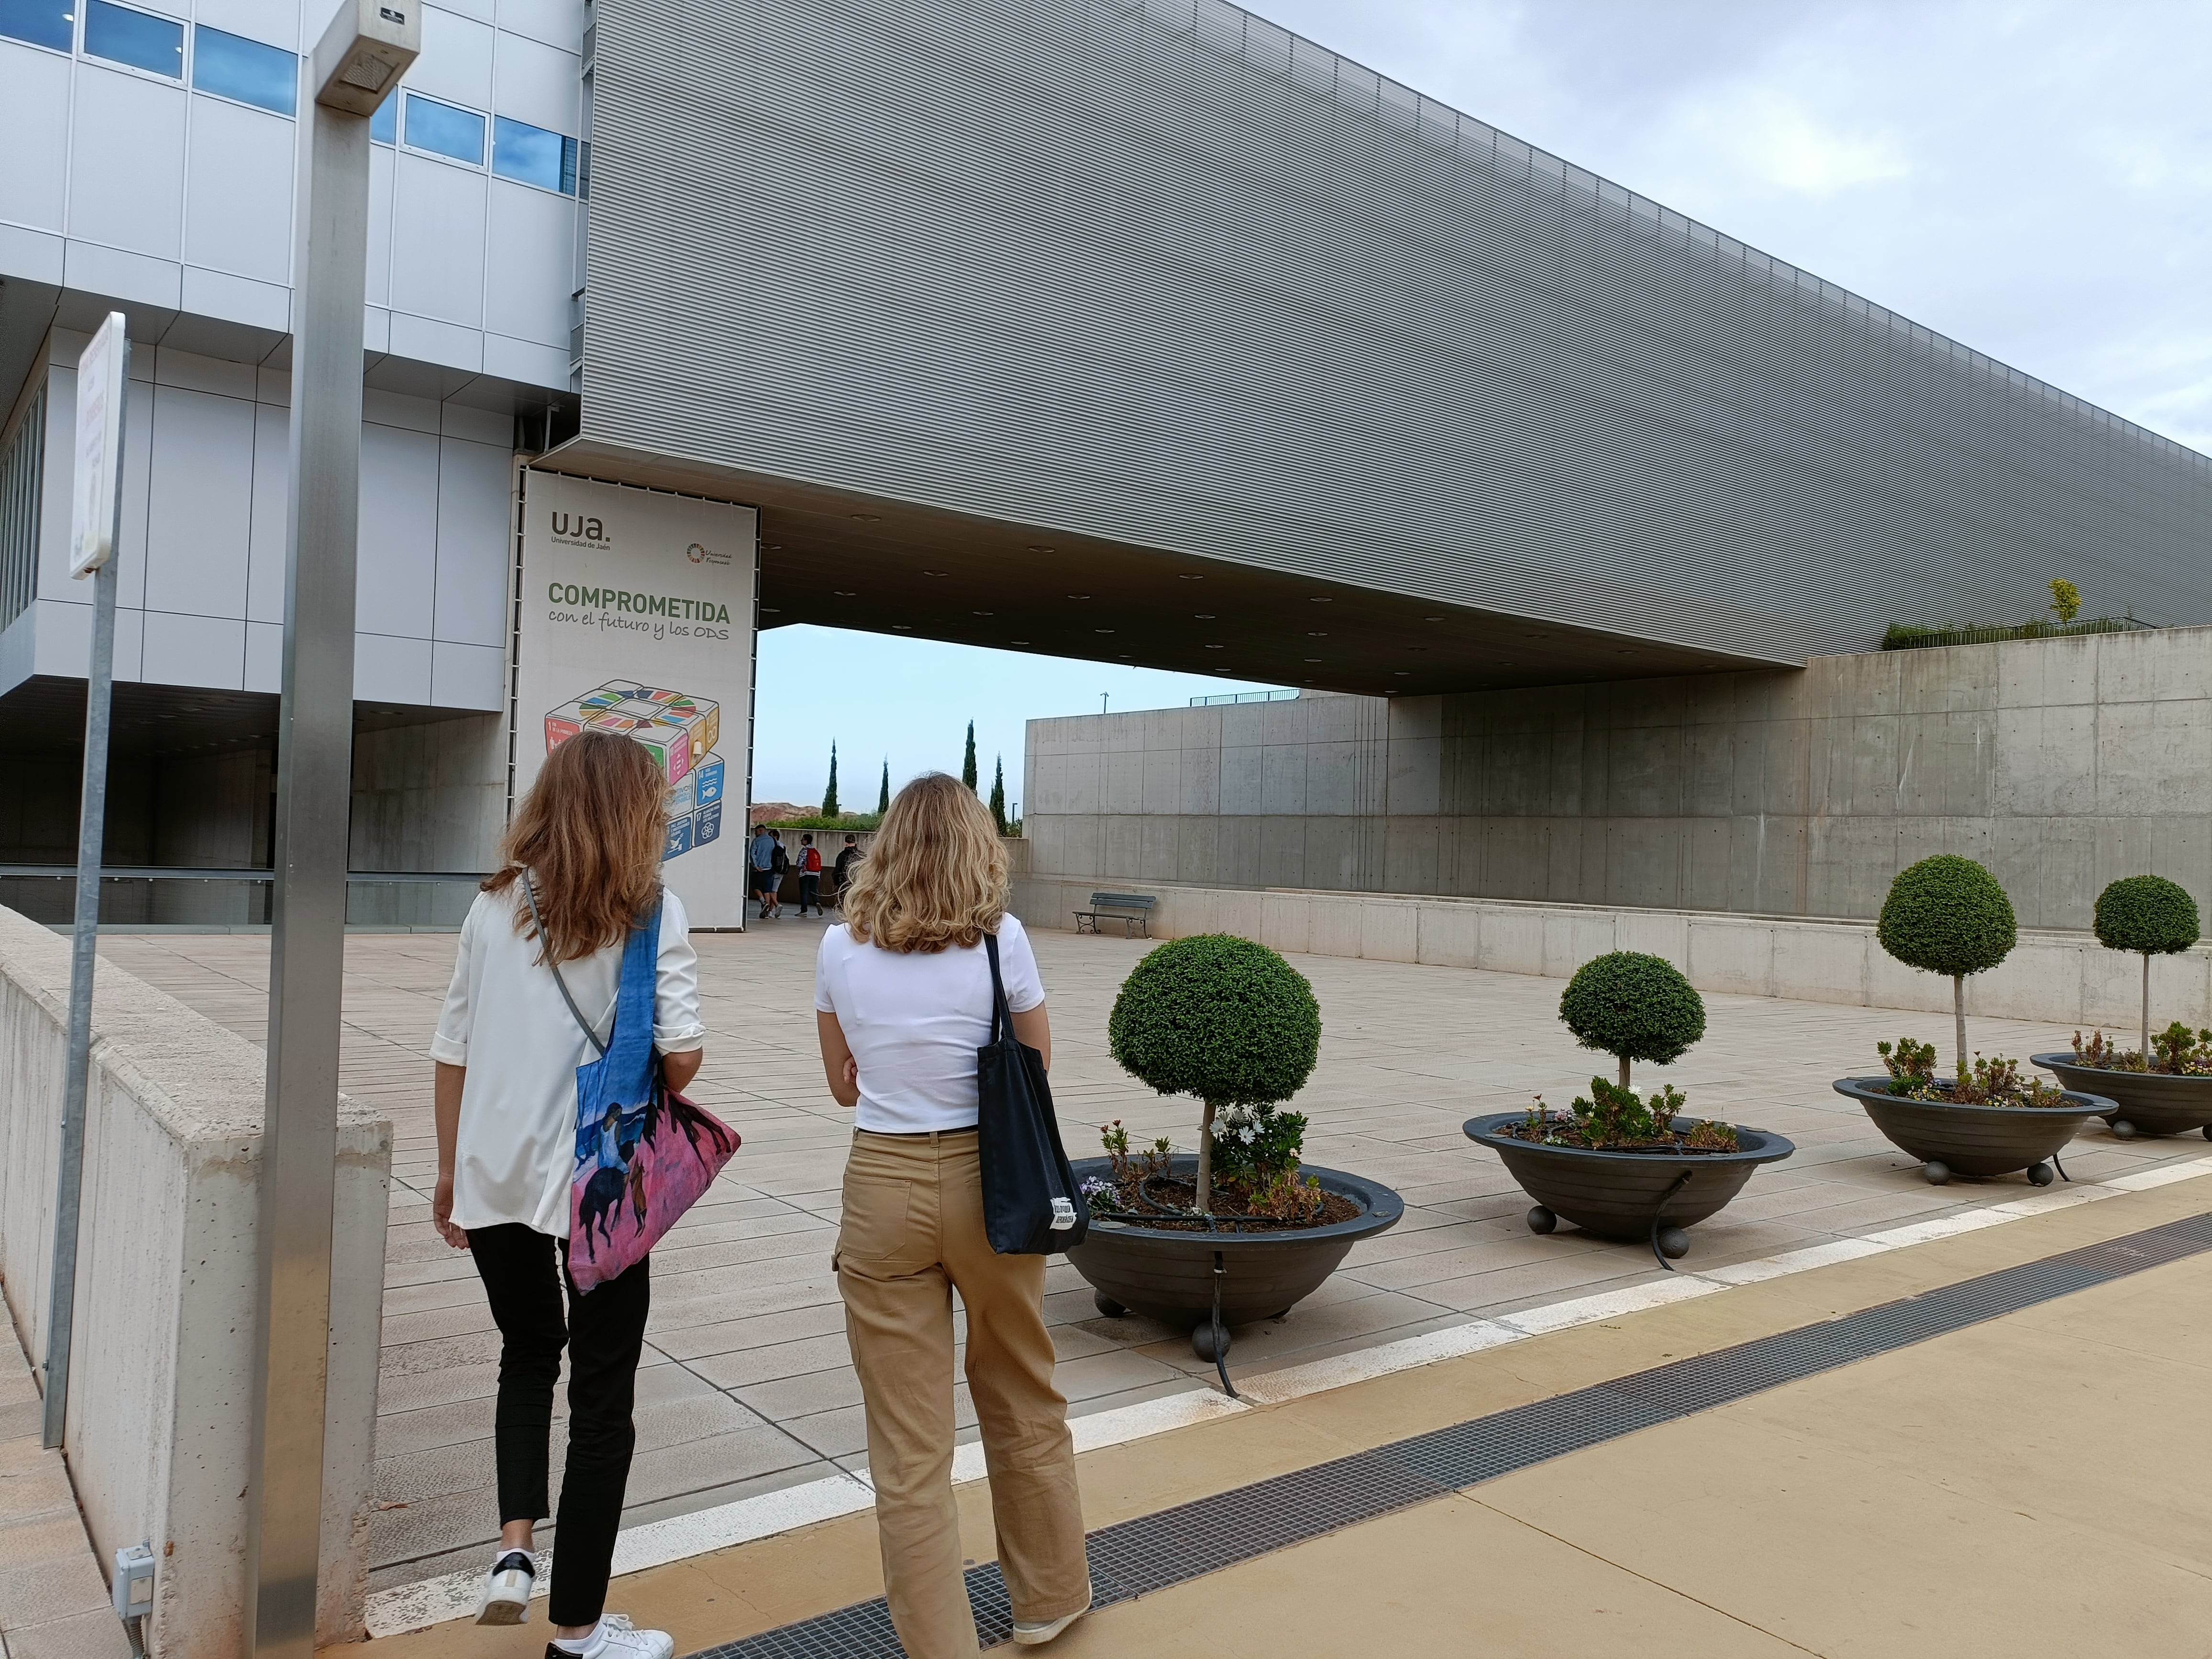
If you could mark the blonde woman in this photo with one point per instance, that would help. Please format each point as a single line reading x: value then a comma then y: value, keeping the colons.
x: 902, y: 1000
x: 586, y: 846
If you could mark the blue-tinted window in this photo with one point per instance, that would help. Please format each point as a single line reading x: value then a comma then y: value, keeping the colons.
x: 42, y: 23
x: 245, y: 69
x: 532, y: 155
x: 384, y: 126
x: 441, y: 129
x: 136, y: 38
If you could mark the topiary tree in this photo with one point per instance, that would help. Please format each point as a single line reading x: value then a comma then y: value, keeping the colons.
x: 2152, y: 916
x: 1633, y: 1006
x: 1218, y: 1017
x: 1947, y: 915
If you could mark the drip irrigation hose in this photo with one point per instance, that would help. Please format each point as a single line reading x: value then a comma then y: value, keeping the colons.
x: 1220, y: 1346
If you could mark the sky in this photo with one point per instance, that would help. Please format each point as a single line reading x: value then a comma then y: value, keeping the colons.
x: 2033, y: 178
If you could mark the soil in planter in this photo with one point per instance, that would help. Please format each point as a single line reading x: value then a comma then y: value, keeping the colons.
x: 2175, y: 1052
x: 1995, y: 1082
x: 1618, y: 1120
x: 1166, y: 1201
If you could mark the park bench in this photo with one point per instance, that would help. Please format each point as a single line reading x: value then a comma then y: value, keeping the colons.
x: 1131, y: 910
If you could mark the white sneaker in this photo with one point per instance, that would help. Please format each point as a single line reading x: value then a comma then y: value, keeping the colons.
x: 505, y: 1599
x: 616, y: 1637
x: 1037, y: 1635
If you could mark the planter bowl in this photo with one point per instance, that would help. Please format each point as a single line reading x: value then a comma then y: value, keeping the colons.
x: 1167, y: 1274
x: 1620, y: 1195
x: 2148, y: 1102
x: 1974, y: 1140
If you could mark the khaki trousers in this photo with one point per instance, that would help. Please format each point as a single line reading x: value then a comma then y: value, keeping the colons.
x: 912, y: 1234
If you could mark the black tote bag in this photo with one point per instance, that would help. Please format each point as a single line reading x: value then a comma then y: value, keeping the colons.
x: 1030, y: 1206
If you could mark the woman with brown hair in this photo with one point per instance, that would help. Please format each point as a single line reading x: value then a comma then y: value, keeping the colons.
x: 586, y: 848
x: 902, y: 1000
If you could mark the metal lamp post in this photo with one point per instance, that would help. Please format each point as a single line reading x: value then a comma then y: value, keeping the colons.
x: 362, y: 54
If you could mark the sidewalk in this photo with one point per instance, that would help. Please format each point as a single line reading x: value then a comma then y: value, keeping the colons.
x: 2033, y: 1483
x: 53, y: 1601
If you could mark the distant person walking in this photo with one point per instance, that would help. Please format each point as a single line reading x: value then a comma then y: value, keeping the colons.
x: 842, y: 877
x: 810, y: 875
x: 902, y: 1000
x: 779, y: 866
x: 761, y: 856
x: 588, y: 842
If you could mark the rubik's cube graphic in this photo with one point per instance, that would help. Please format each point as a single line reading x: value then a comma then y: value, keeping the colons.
x: 678, y: 730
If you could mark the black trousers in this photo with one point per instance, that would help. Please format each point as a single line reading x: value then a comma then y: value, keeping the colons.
x: 809, y: 891
x: 604, y: 1334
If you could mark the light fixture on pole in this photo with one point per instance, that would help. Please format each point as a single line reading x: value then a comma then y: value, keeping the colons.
x: 360, y: 58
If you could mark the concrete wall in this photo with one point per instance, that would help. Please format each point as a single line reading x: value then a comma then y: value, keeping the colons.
x: 2062, y: 764
x: 163, y: 1362
x: 2065, y: 978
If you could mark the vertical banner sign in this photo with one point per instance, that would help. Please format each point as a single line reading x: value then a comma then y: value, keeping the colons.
x: 637, y: 618
x: 99, y: 375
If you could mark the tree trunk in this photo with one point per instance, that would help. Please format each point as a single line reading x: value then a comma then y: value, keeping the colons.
x: 1623, y: 1070
x: 1204, y: 1198
x: 2146, y: 1014
x: 1959, y: 1017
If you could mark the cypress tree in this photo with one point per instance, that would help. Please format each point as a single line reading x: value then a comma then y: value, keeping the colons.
x: 998, y: 794
x: 967, y: 760
x: 884, y: 799
x: 829, y: 795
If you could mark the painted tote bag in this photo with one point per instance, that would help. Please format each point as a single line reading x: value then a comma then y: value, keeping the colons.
x: 644, y: 1154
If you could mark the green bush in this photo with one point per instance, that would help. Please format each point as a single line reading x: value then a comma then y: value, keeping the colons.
x: 1218, y: 1017
x: 1947, y: 915
x: 1633, y: 1006
x: 2147, y: 914
x: 1230, y: 1021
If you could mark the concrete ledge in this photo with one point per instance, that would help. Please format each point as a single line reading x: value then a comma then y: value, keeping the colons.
x: 162, y: 1370
x: 2060, y: 976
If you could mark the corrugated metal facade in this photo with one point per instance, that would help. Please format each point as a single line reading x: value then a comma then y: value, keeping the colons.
x: 1166, y: 274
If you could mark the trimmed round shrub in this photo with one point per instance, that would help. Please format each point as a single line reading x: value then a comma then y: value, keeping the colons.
x: 1947, y: 915
x: 1633, y: 1006
x: 1218, y: 1017
x: 2147, y: 914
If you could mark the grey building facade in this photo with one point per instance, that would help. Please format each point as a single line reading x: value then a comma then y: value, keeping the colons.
x: 1068, y: 298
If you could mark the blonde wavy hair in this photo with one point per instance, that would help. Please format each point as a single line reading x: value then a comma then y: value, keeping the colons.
x: 935, y: 874
x: 590, y: 831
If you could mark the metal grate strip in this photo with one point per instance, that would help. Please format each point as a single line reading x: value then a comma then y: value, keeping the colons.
x: 1152, y: 1553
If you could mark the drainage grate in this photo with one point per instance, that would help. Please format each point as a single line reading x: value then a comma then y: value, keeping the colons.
x: 1152, y: 1553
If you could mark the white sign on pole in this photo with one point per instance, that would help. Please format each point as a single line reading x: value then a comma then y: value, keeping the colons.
x: 99, y: 442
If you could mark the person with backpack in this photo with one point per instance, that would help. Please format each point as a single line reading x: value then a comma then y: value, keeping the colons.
x: 842, y: 877
x: 779, y: 866
x: 760, y: 856
x: 561, y: 927
x: 810, y: 875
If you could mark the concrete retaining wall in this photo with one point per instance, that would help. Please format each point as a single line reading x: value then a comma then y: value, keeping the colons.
x: 2060, y: 763
x: 162, y: 1368
x: 2063, y: 977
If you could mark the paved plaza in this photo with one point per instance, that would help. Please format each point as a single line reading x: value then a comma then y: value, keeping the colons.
x: 747, y: 1388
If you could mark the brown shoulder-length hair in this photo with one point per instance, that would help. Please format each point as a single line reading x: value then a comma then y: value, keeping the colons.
x: 935, y: 875
x: 590, y: 832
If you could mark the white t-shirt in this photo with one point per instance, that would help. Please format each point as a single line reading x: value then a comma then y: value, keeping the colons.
x: 504, y: 1019
x: 915, y: 1020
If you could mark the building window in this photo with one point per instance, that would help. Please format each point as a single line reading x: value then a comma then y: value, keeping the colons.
x: 384, y: 126
x: 42, y: 23
x: 22, y: 467
x: 441, y: 129
x: 234, y: 67
x: 136, y: 38
x: 532, y: 155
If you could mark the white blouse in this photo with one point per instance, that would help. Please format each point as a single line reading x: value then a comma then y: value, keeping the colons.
x: 915, y: 1020
x: 504, y: 1019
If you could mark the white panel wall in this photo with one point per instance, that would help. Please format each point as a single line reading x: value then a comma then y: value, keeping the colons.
x: 132, y: 186
x: 34, y: 136
x: 126, y: 162
x: 201, y: 564
x: 239, y: 188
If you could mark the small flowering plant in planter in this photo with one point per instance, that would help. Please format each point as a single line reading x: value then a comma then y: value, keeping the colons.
x: 1991, y: 1082
x: 1614, y: 1119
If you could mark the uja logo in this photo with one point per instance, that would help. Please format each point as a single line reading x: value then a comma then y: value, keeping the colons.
x: 577, y: 525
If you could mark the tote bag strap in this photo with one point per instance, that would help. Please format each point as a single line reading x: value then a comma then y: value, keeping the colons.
x: 545, y: 949
x: 1002, y: 1017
